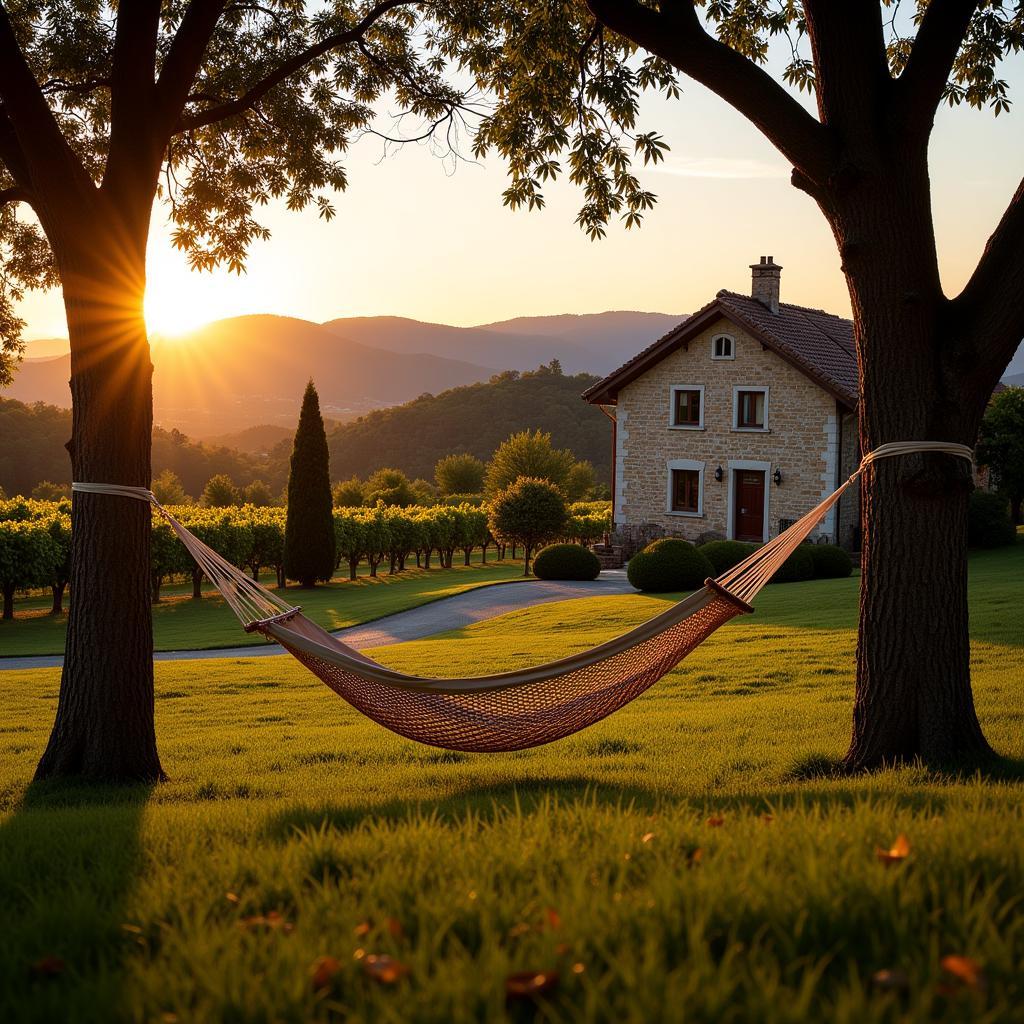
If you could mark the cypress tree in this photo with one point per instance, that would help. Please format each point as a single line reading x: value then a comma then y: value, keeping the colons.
x: 309, y: 528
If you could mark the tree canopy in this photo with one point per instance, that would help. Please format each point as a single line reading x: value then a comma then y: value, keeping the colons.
x: 1001, y: 445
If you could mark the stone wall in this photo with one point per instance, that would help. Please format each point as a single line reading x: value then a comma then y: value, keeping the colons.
x: 802, y: 439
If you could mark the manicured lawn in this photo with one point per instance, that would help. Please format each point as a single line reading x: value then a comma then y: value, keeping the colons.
x: 579, y: 858
x: 181, y: 623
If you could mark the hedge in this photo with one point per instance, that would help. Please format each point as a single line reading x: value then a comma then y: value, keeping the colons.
x: 566, y: 562
x: 668, y: 564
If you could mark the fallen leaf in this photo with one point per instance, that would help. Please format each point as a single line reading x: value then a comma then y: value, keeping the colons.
x: 899, y: 851
x: 716, y: 821
x: 362, y: 929
x: 694, y: 857
x: 48, y: 967
x: 966, y: 971
x: 890, y: 980
x: 646, y: 837
x: 132, y: 929
x: 231, y: 897
x: 767, y: 818
x: 530, y: 984
x: 520, y: 928
x: 578, y: 968
x: 272, y: 921
x: 323, y: 971
x: 554, y: 919
x: 385, y: 969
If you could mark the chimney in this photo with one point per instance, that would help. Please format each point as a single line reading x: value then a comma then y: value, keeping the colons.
x: 764, y: 282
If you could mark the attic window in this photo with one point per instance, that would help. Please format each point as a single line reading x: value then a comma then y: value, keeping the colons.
x: 723, y: 347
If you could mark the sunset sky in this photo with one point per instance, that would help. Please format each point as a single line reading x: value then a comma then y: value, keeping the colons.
x: 416, y: 237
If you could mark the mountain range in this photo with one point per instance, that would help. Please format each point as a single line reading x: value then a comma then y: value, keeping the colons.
x: 245, y: 371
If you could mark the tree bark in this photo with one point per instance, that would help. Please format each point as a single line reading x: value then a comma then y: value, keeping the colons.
x: 104, y: 724
x: 197, y: 584
x: 913, y: 694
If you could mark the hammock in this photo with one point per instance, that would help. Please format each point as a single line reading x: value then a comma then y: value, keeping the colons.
x: 511, y: 710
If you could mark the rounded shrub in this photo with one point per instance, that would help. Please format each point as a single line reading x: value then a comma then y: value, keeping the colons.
x: 988, y: 521
x: 831, y: 562
x: 566, y: 562
x: 799, y: 566
x: 724, y: 554
x: 668, y: 564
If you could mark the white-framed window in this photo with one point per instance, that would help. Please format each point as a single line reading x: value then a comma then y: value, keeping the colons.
x: 686, y: 406
x: 685, y: 488
x: 723, y: 346
x: 750, y: 408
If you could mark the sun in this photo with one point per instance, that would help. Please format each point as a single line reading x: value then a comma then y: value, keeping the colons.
x: 174, y: 307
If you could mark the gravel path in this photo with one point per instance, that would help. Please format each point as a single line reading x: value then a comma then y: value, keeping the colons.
x: 449, y: 613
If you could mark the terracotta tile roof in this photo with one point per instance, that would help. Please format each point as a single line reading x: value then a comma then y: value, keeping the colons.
x: 817, y: 343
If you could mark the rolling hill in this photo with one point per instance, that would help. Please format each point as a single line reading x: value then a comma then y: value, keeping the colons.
x: 251, y: 370
x: 475, y: 418
x: 583, y: 343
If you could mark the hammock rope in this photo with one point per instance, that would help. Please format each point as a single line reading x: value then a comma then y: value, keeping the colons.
x: 526, y: 707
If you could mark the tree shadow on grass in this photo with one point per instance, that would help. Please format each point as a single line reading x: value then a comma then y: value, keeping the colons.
x: 69, y: 856
x: 487, y: 803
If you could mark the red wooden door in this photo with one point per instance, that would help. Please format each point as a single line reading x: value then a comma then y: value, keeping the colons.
x: 748, y: 505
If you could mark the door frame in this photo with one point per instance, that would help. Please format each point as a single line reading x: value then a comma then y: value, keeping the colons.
x: 764, y: 467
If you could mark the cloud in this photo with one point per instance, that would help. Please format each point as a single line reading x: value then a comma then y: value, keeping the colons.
x: 720, y: 167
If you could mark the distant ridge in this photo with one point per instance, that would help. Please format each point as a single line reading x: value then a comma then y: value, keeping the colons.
x: 248, y: 371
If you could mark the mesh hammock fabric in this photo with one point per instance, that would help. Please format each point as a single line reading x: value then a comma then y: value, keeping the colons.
x: 525, y: 708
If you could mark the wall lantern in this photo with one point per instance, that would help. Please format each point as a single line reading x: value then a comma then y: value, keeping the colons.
x: 718, y: 474
x: 777, y: 477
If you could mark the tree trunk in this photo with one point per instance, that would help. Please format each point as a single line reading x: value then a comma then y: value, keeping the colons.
x: 57, y: 608
x: 913, y: 694
x: 1015, y: 510
x: 256, y: 573
x: 197, y: 584
x: 483, y: 554
x: 157, y: 582
x: 104, y: 724
x: 467, y: 552
x: 353, y: 568
x: 8, y: 602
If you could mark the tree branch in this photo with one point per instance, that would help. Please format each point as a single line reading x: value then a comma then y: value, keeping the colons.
x: 17, y: 194
x: 938, y: 41
x: 851, y: 68
x: 49, y: 163
x: 676, y: 35
x: 990, y: 309
x: 132, y: 86
x: 255, y: 93
x: 185, y: 57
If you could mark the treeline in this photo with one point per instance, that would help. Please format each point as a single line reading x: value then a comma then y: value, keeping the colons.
x: 33, y: 453
x: 473, y: 419
x: 35, y: 539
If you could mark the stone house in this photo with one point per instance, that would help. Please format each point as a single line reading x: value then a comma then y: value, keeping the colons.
x: 736, y: 422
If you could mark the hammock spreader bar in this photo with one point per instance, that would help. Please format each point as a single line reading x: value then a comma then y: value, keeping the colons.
x: 522, y: 708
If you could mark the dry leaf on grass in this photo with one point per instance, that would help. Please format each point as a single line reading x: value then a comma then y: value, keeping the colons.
x: 899, y: 851
x: 890, y: 981
x: 716, y: 821
x: 323, y: 971
x: 530, y: 984
x: 553, y: 917
x: 646, y: 837
x: 272, y: 921
x: 965, y: 971
x: 384, y: 969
